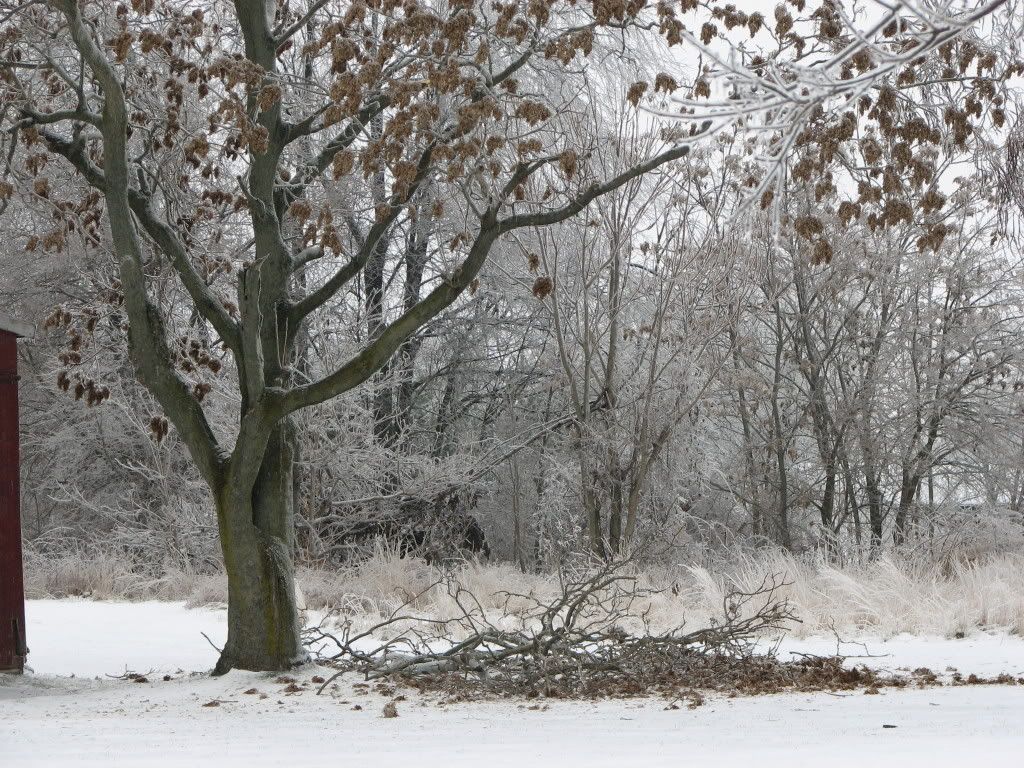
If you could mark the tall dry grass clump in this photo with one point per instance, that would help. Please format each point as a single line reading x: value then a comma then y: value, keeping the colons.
x: 886, y: 596
x: 883, y: 597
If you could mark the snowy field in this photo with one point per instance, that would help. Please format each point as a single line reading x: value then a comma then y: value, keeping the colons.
x: 69, y: 712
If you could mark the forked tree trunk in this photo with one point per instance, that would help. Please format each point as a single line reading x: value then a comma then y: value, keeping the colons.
x: 257, y: 538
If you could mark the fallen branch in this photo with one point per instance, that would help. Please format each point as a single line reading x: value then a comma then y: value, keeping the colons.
x: 591, y: 637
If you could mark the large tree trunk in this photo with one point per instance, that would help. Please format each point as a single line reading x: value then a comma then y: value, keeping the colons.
x: 257, y: 537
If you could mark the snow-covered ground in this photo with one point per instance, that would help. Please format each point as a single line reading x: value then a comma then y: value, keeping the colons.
x: 70, y: 713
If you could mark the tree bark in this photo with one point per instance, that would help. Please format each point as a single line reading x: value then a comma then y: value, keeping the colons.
x: 779, y: 446
x: 875, y: 514
x: 257, y: 537
x: 909, y: 485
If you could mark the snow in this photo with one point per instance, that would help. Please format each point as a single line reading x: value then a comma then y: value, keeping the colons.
x: 986, y: 655
x: 51, y: 719
x: 89, y: 638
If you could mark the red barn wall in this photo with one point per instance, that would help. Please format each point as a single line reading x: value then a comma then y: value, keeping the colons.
x: 12, y: 590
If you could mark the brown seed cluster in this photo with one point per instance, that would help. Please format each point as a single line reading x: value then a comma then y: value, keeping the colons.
x: 543, y: 286
x: 891, y: 144
x: 78, y: 328
x: 159, y: 427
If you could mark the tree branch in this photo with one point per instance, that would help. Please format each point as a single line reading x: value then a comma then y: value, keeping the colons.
x: 207, y: 303
x: 575, y: 206
x: 147, y: 337
x: 374, y: 356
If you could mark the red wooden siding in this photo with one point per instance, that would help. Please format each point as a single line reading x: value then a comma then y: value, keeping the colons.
x: 12, y: 591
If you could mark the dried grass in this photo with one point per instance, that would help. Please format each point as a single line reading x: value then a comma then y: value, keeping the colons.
x: 885, y: 597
